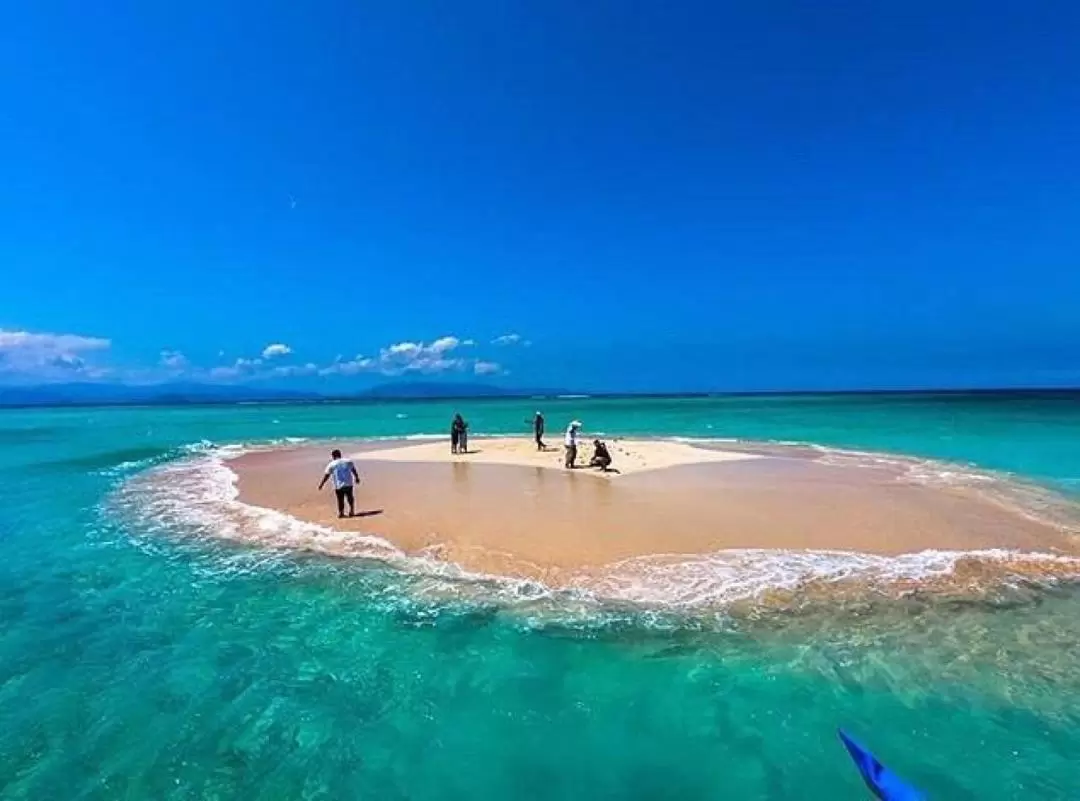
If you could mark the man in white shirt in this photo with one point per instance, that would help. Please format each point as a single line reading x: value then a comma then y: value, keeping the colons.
x: 343, y: 472
x: 571, y: 444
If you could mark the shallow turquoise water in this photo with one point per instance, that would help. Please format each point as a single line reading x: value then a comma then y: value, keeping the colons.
x: 134, y: 664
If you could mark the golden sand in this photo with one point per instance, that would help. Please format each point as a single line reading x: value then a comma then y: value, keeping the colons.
x: 630, y: 456
x: 509, y: 509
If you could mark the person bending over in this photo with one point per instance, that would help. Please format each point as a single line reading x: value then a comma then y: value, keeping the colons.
x: 343, y: 472
x: 600, y: 458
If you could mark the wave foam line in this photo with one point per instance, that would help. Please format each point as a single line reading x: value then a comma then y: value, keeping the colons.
x: 200, y: 494
x: 745, y: 574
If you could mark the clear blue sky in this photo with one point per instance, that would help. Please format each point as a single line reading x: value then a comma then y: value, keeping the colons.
x: 724, y: 195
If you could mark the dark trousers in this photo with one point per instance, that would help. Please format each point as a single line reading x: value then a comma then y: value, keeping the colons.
x: 571, y: 455
x: 540, y: 440
x: 344, y: 494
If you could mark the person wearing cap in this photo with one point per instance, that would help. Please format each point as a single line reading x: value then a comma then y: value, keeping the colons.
x: 571, y: 444
x: 538, y: 430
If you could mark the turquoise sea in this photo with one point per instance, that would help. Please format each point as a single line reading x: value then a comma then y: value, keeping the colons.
x: 142, y: 660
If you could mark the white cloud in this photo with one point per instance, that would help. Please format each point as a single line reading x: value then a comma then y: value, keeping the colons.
x: 509, y: 339
x: 401, y: 358
x: 241, y: 368
x: 173, y: 360
x: 26, y: 355
x: 27, y: 341
x: 294, y: 370
x: 276, y: 350
x: 444, y: 344
x: 404, y: 349
x: 361, y: 364
x: 418, y: 357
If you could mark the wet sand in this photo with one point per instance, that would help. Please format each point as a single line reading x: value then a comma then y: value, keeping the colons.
x: 531, y: 518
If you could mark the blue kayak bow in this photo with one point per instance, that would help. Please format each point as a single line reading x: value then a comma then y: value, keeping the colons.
x: 885, y: 784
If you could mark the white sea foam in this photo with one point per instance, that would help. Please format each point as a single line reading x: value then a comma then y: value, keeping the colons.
x: 197, y: 495
x: 200, y: 494
x: 745, y: 574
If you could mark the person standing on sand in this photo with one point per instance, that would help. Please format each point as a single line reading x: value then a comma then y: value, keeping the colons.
x: 538, y: 430
x: 343, y: 472
x: 459, y: 435
x: 571, y: 444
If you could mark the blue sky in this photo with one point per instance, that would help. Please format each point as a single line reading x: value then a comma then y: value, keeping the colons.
x: 724, y: 195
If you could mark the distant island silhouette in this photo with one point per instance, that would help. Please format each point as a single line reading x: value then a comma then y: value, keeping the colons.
x: 105, y: 394
x: 100, y: 394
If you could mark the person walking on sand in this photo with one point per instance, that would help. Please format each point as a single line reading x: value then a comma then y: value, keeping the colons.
x: 571, y: 444
x: 343, y: 472
x: 455, y: 434
x: 538, y: 430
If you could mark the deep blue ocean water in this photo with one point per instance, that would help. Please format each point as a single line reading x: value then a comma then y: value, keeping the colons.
x: 138, y: 663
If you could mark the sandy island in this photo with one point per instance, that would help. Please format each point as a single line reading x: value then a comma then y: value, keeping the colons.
x: 508, y: 509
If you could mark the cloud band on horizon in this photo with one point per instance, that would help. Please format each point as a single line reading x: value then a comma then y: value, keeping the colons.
x: 28, y: 357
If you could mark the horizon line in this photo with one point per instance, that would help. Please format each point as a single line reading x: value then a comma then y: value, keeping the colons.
x: 361, y: 397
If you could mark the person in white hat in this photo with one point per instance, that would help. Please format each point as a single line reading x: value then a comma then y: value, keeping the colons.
x: 538, y: 430
x: 571, y: 444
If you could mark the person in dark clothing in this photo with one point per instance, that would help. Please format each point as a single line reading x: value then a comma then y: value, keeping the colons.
x: 600, y: 458
x: 538, y: 429
x: 459, y: 435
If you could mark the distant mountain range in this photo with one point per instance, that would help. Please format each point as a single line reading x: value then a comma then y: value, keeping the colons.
x: 181, y: 393
x: 165, y: 394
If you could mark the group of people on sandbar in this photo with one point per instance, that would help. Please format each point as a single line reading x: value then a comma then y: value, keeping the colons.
x: 342, y: 472
x: 601, y: 456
